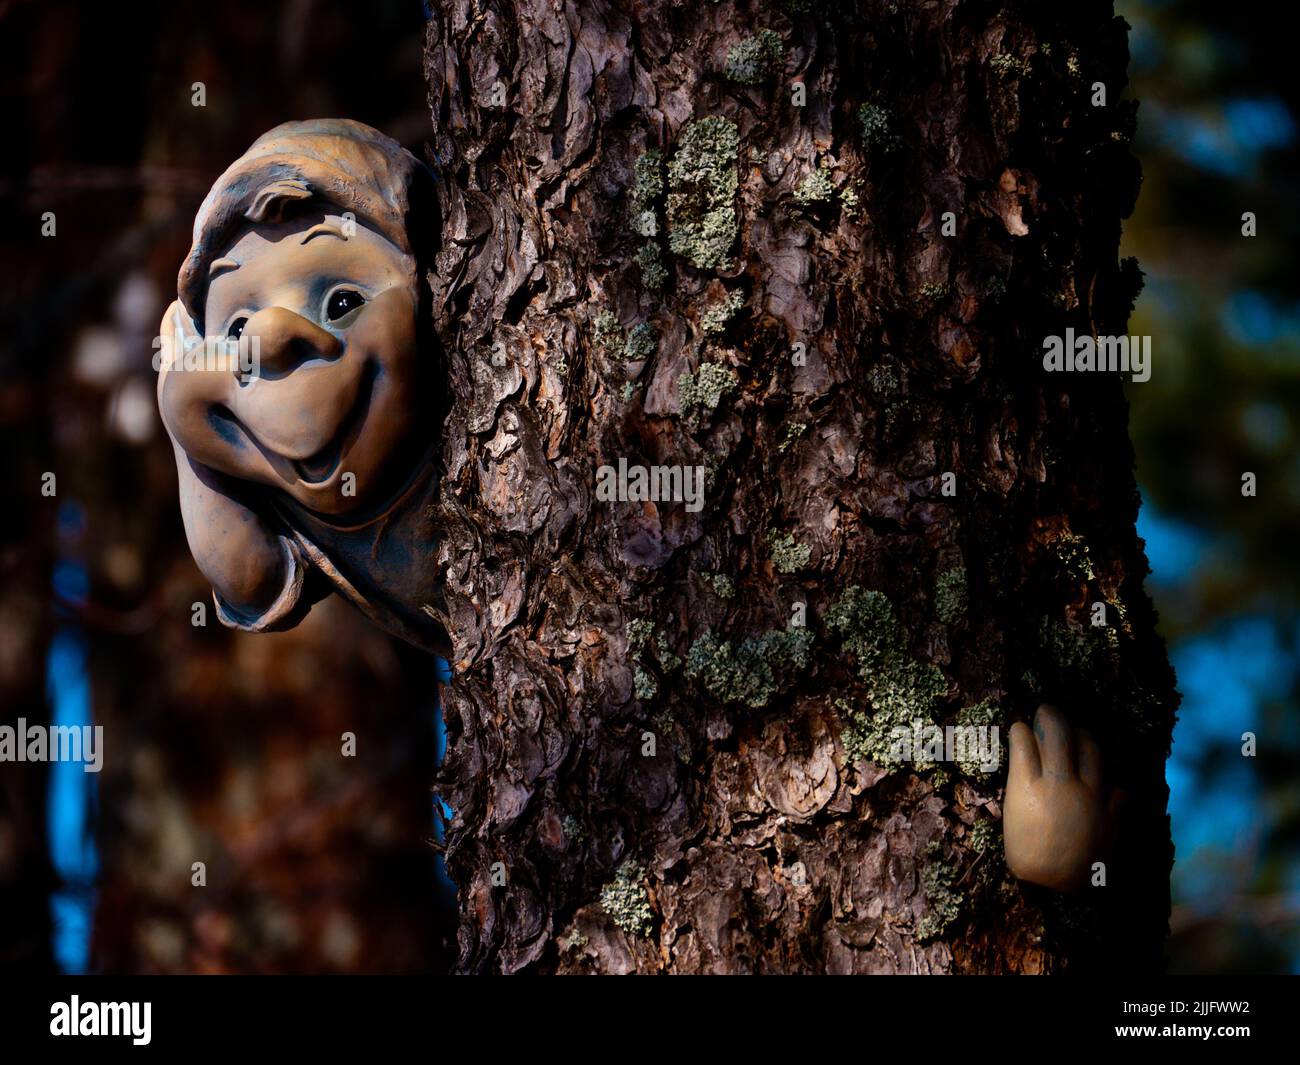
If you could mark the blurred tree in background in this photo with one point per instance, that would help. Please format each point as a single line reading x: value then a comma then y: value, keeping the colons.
x: 220, y: 748
x: 1217, y: 138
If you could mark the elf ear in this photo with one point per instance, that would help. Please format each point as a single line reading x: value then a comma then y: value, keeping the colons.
x: 257, y: 572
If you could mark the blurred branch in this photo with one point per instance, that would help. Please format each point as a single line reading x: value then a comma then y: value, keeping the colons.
x: 54, y: 180
x: 1258, y: 910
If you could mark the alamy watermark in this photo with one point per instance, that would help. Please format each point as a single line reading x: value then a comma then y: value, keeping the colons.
x: 74, y: 1017
x: 53, y: 743
x: 1105, y: 354
x: 238, y: 355
x: 655, y: 484
x: 970, y: 745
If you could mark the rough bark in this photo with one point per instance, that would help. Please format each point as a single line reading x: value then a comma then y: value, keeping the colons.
x: 750, y: 840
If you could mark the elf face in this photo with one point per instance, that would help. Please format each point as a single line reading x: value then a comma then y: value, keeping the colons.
x: 327, y: 409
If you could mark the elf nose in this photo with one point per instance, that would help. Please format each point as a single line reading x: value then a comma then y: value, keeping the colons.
x: 285, y: 339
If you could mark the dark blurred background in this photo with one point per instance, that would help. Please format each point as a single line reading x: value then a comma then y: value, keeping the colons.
x: 1217, y: 138
x: 220, y: 747
x: 225, y: 748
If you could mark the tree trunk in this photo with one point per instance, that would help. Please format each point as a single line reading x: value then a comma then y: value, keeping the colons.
x: 713, y: 234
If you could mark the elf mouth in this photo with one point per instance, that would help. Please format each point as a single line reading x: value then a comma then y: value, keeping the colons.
x: 320, y: 467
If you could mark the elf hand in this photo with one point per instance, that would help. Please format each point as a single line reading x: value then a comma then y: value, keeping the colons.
x: 1057, y: 816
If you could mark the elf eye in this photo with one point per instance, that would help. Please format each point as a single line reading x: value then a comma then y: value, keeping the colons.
x: 342, y: 302
x: 236, y: 329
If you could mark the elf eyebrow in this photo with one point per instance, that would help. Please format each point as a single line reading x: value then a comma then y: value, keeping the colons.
x: 323, y: 229
x: 221, y: 266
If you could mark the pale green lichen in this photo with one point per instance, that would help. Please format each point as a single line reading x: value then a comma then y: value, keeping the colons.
x: 714, y: 320
x: 985, y: 840
x: 856, y: 736
x: 1121, y: 612
x: 723, y: 586
x: 606, y: 331
x: 667, y: 659
x: 851, y: 198
x: 816, y: 187
x: 950, y: 596
x: 1071, y: 550
x: 902, y: 691
x: 702, y: 184
x: 900, y: 708
x: 1069, y: 652
x: 644, y: 684
x: 873, y: 123
x: 1007, y: 66
x: 791, y: 433
x: 704, y: 389
x: 639, y: 632
x: 753, y: 672
x: 984, y: 836
x: 755, y: 59
x: 653, y: 271
x: 788, y: 556
x: 939, y: 881
x: 642, y: 341
x: 625, y: 393
x: 866, y: 624
x: 649, y: 186
x: 626, y: 900
x: 573, y: 829
x: 935, y: 291
x: 646, y: 193
x: 1089, y: 664
x: 883, y: 380
x: 985, y: 715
